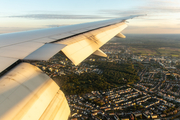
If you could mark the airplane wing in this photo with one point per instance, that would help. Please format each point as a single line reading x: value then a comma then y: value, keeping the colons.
x: 77, y: 42
x: 20, y: 84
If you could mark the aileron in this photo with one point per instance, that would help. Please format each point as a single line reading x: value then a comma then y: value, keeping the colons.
x: 45, y: 52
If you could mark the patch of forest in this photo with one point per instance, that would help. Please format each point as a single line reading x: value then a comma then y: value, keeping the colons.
x: 113, y: 75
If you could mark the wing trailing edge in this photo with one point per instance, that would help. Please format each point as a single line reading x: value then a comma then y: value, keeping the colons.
x: 45, y: 52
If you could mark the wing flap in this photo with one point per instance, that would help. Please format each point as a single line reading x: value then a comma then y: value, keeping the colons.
x: 80, y: 55
x: 45, y: 52
x: 6, y: 62
x: 19, y: 51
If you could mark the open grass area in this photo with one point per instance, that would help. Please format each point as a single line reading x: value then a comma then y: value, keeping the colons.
x: 163, y: 51
x: 143, y: 51
x: 174, y: 52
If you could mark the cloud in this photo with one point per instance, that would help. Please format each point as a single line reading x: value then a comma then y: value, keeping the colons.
x: 164, y: 6
x: 150, y: 7
x: 59, y: 16
x: 164, y: 2
x: 161, y: 9
x: 50, y: 26
x: 121, y: 13
x: 142, y: 10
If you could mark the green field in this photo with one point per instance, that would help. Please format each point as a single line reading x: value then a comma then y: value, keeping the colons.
x: 143, y: 51
x: 164, y: 51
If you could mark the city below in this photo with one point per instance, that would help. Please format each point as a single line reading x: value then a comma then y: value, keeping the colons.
x: 155, y: 94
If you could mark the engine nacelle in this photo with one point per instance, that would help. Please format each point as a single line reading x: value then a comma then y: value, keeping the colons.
x: 26, y: 93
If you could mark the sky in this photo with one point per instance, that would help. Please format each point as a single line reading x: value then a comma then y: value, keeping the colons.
x: 162, y: 16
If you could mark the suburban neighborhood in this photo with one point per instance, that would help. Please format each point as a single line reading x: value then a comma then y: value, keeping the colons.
x: 155, y: 96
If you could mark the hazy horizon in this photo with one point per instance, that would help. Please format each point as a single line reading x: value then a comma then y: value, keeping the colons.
x: 162, y: 15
